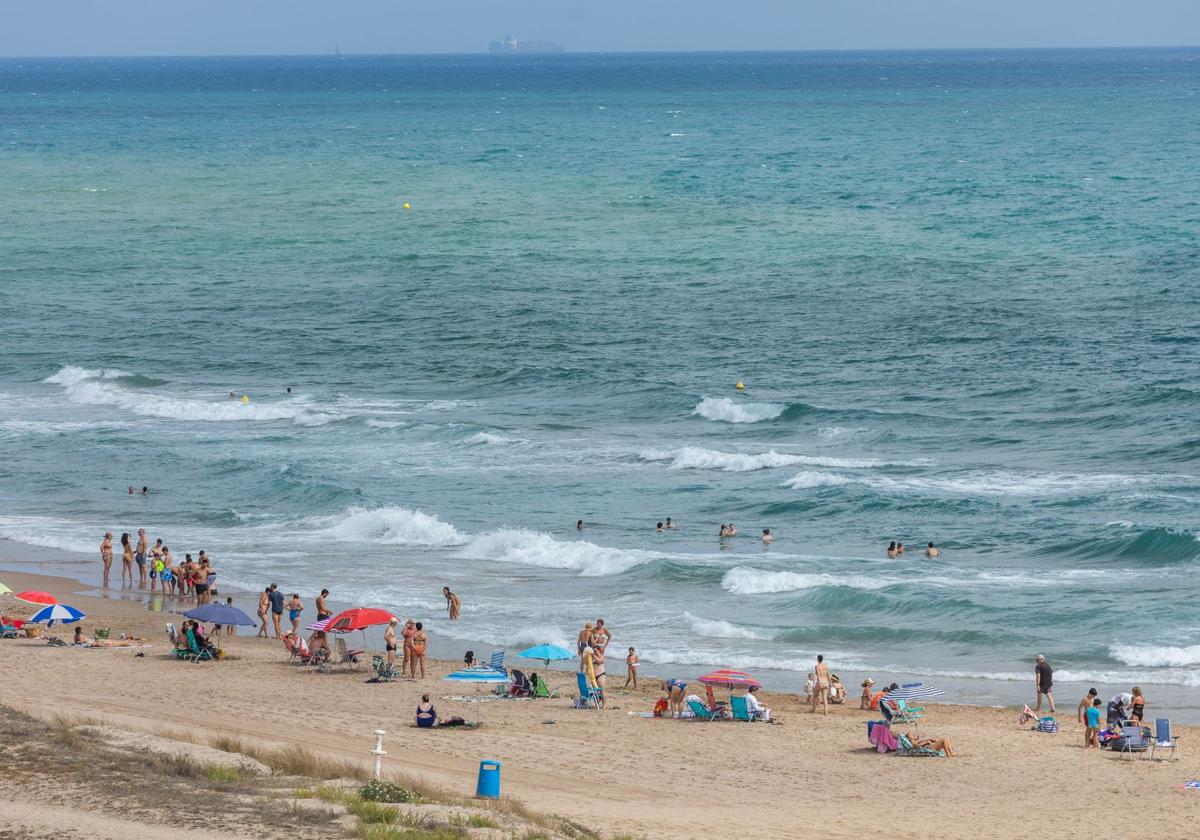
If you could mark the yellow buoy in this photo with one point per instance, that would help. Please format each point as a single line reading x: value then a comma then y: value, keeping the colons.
x: 245, y: 399
x: 407, y: 206
x: 740, y: 386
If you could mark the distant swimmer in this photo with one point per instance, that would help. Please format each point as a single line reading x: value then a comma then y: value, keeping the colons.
x: 659, y: 527
x: 899, y: 548
x: 733, y: 532
x: 670, y: 526
x: 130, y: 489
x: 932, y: 551
x: 245, y: 399
x: 145, y: 490
x: 579, y: 525
x: 232, y: 395
x: 453, y: 605
x: 891, y: 550
x: 766, y: 536
x: 289, y: 389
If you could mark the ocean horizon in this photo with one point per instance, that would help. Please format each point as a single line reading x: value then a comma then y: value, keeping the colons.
x: 510, y: 293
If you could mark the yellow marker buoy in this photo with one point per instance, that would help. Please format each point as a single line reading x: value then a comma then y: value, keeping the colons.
x: 740, y: 386
x: 245, y: 399
x: 407, y: 206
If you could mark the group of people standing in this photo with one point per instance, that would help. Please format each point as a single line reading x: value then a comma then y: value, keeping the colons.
x: 157, y: 568
x: 413, y: 641
x: 591, y: 644
x: 273, y: 603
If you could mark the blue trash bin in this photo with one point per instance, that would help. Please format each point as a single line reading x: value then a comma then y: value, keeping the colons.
x: 488, y: 786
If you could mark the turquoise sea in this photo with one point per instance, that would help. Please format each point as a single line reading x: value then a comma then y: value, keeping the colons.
x: 961, y: 289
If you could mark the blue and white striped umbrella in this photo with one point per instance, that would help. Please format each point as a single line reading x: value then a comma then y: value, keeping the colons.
x: 57, y: 612
x: 477, y: 675
x: 915, y: 691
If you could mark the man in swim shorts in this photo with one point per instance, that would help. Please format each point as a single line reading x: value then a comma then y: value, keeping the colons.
x: 389, y: 642
x: 139, y: 555
x: 1043, y: 676
x: 322, y: 609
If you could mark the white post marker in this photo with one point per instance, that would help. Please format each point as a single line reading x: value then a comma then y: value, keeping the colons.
x: 378, y: 752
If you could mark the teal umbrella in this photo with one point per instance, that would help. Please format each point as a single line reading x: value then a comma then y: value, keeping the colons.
x: 547, y: 653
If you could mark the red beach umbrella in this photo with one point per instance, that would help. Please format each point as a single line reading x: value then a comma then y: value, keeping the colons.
x: 42, y: 599
x: 730, y: 679
x: 358, y: 618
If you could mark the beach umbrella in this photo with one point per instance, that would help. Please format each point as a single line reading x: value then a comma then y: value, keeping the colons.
x: 322, y: 626
x: 358, y: 618
x: 57, y: 612
x: 730, y: 679
x: 915, y: 691
x: 222, y: 614
x: 41, y: 599
x: 4, y: 590
x: 547, y: 653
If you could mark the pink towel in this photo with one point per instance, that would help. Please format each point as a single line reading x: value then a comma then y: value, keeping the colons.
x: 883, y: 739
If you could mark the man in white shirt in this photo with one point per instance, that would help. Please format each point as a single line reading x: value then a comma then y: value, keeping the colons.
x: 757, y: 710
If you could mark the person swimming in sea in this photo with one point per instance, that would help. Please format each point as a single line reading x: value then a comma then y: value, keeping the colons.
x: 932, y: 552
x: 766, y: 536
x: 579, y: 525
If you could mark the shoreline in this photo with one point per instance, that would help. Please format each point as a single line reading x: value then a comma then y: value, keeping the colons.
x: 605, y: 769
x: 1179, y: 702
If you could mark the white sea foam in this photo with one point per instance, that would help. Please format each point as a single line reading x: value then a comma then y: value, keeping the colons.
x: 1156, y: 656
x: 718, y: 629
x: 1117, y: 677
x: 699, y: 458
x: 725, y: 410
x: 488, y: 439
x: 386, y: 424
x: 50, y: 533
x: 388, y: 526
x: 533, y: 548
x: 809, y: 479
x: 743, y: 580
x: 978, y: 482
x: 93, y: 387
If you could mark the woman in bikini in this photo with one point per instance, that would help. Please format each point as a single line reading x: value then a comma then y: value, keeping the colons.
x: 419, y: 642
x: 1137, y: 709
x: 407, y: 635
x: 821, y: 687
x: 264, y: 604
x: 126, y: 558
x: 106, y: 554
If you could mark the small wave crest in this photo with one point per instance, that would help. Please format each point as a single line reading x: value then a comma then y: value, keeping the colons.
x: 105, y: 387
x: 743, y: 580
x: 699, y: 458
x: 725, y: 410
x: 390, y: 526
x: 1153, y: 656
x: 534, y: 548
x: 717, y: 629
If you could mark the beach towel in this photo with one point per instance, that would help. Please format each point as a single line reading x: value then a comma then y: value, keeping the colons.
x: 883, y: 740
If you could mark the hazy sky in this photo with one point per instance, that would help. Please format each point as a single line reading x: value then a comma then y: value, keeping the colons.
x: 169, y: 27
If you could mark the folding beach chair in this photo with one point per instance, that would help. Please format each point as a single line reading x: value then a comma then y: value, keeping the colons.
x: 741, y: 709
x: 496, y: 663
x: 907, y: 750
x: 588, y: 697
x: 702, y: 712
x: 383, y: 671
x: 540, y: 689
x: 1134, y: 739
x: 520, y: 686
x: 1163, y: 739
x: 195, y: 653
x: 172, y: 634
x: 346, y: 656
x: 8, y: 631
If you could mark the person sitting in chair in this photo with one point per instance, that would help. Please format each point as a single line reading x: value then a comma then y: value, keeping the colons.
x: 426, y: 714
x: 756, y: 709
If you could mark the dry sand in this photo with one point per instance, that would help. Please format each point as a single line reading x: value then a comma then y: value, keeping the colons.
x: 619, y: 774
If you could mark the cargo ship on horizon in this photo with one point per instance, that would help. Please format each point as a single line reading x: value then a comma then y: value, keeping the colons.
x: 510, y: 46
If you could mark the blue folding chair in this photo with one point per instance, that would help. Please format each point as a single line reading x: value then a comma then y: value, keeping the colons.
x: 588, y: 696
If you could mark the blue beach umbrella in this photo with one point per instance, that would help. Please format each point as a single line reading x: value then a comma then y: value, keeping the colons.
x: 547, y: 653
x: 57, y: 612
x: 915, y: 691
x: 222, y: 614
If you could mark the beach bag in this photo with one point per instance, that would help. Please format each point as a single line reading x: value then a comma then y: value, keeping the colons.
x: 1047, y: 724
x: 660, y: 708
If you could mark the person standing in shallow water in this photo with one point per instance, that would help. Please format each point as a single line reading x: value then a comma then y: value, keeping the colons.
x: 453, y: 604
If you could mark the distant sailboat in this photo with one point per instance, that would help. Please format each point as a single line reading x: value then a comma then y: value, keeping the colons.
x: 338, y: 52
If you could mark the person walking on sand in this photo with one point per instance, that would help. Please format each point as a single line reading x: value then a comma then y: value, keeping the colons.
x: 389, y: 642
x: 1043, y: 676
x: 323, y: 611
x: 106, y: 554
x: 295, y: 607
x: 821, y: 686
x: 453, y: 605
x: 419, y: 642
x: 264, y: 606
x: 276, y: 598
x: 631, y: 663
x: 139, y: 557
x: 126, y: 559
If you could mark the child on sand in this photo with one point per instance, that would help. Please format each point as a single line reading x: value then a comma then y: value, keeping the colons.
x: 631, y: 663
x: 1091, y: 735
x: 864, y: 702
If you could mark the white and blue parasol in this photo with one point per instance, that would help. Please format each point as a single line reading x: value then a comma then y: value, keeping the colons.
x: 915, y: 691
x: 57, y: 612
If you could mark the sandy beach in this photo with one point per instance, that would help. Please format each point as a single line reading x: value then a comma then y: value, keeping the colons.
x: 614, y: 772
